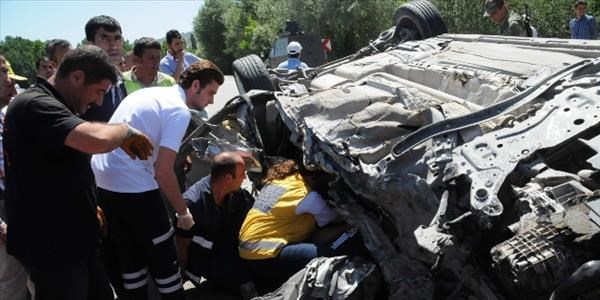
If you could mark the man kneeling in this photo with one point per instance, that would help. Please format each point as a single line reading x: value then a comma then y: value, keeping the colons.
x: 219, y: 206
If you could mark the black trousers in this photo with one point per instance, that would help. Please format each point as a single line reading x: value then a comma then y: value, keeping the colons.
x: 79, y: 279
x: 142, y: 237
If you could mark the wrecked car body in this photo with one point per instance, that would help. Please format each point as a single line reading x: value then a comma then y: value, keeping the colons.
x: 469, y: 163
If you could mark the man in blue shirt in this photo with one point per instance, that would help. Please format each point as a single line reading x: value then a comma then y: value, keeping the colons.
x: 177, y: 60
x: 583, y: 26
x: 293, y: 62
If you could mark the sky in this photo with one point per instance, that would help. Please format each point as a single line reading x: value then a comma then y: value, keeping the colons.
x: 47, y: 19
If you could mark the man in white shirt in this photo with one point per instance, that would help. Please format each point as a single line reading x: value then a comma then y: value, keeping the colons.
x: 130, y: 191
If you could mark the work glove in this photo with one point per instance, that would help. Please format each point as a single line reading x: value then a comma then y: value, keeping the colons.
x: 185, y: 221
x: 136, y: 144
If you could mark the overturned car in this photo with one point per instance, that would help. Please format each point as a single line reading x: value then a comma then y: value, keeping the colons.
x: 469, y: 163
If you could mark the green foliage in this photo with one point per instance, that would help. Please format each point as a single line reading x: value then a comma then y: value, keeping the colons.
x: 209, y: 28
x: 349, y: 23
x: 22, y: 54
x: 228, y: 29
x: 127, y: 46
x: 550, y: 18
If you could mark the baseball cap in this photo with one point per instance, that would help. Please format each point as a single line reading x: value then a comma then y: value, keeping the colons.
x: 491, y: 6
x: 580, y: 2
x: 294, y: 48
x: 11, y: 74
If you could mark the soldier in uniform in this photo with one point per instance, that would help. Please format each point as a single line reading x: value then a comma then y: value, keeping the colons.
x: 510, y: 23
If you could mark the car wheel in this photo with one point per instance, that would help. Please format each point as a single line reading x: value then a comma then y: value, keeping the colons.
x: 418, y: 20
x: 250, y: 73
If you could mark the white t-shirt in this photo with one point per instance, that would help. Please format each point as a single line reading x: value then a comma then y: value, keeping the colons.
x: 161, y: 114
x: 315, y: 205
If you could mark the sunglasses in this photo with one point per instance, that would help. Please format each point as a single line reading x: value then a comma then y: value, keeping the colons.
x: 4, y: 70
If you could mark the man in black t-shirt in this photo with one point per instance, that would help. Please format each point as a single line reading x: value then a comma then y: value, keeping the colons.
x: 50, y: 189
x: 219, y: 207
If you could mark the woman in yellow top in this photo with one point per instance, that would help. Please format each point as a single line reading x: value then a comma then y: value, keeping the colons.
x: 273, y: 236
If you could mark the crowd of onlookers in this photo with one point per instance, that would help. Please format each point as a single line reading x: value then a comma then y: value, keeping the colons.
x: 583, y: 26
x: 89, y: 163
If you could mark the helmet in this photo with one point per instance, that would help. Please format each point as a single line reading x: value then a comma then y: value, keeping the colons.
x: 294, y: 48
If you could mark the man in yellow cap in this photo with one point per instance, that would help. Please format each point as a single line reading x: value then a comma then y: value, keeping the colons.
x: 13, y: 278
x: 10, y: 89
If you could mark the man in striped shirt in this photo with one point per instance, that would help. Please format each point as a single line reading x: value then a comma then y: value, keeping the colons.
x: 583, y: 26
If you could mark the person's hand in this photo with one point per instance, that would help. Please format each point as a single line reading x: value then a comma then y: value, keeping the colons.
x: 3, y: 230
x: 186, y: 164
x: 136, y: 144
x: 186, y: 220
x: 179, y: 55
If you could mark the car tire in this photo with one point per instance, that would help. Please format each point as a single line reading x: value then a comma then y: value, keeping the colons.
x: 418, y: 20
x: 250, y: 73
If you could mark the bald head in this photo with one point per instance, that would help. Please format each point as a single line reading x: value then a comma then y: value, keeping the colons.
x: 227, y: 174
x: 225, y: 163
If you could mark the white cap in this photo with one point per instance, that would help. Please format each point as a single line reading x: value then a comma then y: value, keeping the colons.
x: 294, y: 48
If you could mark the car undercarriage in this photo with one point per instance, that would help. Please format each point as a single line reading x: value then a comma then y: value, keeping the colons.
x: 468, y: 163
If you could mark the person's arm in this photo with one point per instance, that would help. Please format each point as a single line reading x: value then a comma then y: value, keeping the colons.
x: 315, y: 205
x: 182, y: 245
x: 180, y: 59
x: 3, y: 229
x: 167, y: 182
x: 92, y: 138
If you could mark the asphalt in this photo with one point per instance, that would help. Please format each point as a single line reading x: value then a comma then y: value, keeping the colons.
x: 226, y: 91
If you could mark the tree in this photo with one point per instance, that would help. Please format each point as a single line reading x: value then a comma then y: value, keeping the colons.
x: 349, y: 23
x: 209, y: 27
x: 22, y: 54
x: 193, y: 45
x: 550, y: 18
x: 230, y: 29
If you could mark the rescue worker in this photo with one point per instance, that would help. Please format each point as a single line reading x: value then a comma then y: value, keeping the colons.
x: 219, y: 206
x: 293, y: 62
x: 274, y: 237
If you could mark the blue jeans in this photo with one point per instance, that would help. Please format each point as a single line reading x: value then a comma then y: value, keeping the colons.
x: 269, y: 274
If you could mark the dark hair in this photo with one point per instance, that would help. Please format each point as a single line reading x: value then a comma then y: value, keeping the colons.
x: 281, y: 170
x: 108, y: 23
x: 317, y: 180
x: 53, y: 45
x: 204, y: 71
x: 90, y: 59
x: 172, y: 34
x: 39, y: 61
x: 144, y: 43
x: 223, y: 164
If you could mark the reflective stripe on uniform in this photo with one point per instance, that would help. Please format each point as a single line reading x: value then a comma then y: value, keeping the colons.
x: 163, y: 281
x: 169, y: 284
x: 171, y: 289
x: 163, y: 237
x: 135, y: 275
x: 262, y: 245
x: 202, y: 242
x: 135, y: 285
